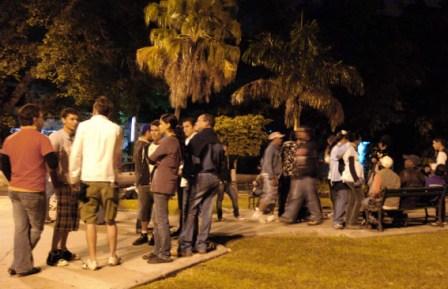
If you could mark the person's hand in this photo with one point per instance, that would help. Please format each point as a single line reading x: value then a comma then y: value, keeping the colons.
x: 358, y: 183
x: 75, y: 187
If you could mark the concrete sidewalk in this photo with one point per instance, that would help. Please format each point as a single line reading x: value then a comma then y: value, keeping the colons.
x: 135, y: 271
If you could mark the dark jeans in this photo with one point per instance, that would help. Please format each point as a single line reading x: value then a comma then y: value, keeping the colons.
x: 340, y: 192
x: 162, y: 237
x: 230, y: 189
x: 200, y: 206
x: 302, y: 190
x: 354, y: 199
x: 28, y: 211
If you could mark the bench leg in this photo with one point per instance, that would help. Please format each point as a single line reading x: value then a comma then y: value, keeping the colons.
x: 380, y: 220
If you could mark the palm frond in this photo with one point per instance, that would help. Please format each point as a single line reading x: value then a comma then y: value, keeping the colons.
x: 326, y: 103
x: 261, y: 88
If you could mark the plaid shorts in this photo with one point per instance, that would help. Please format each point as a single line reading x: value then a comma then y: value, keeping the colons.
x: 67, y: 211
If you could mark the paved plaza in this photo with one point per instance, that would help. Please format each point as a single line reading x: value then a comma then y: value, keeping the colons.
x: 135, y: 271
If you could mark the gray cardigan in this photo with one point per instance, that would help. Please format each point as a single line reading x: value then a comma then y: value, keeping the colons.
x: 167, y: 158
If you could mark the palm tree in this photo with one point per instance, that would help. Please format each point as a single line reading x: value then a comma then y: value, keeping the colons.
x: 303, y: 74
x: 194, y: 47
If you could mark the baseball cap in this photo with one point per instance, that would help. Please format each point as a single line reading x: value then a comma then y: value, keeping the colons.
x: 275, y: 135
x: 386, y: 162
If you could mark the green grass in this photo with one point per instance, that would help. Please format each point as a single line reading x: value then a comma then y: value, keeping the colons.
x: 411, y: 261
x: 172, y: 205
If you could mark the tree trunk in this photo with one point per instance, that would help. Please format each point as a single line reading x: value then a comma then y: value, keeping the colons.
x: 297, y: 117
x: 177, y: 111
x: 19, y: 91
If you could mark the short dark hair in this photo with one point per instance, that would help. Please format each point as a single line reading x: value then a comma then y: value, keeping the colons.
x: 103, y: 106
x: 28, y: 112
x: 68, y: 110
x: 155, y: 122
x: 439, y: 140
x: 210, y: 119
x: 188, y: 119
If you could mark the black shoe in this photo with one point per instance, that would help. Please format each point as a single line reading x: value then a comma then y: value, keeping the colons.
x: 34, y: 270
x: 159, y: 260
x: 186, y: 253
x: 53, y: 258
x: 149, y: 256
x: 210, y: 247
x: 141, y: 240
x: 151, y: 241
x: 67, y: 255
x: 11, y: 272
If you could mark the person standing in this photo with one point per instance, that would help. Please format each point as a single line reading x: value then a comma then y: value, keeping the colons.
x: 271, y: 169
x: 353, y: 177
x: 25, y: 155
x: 189, y: 132
x: 338, y: 188
x: 95, y: 160
x: 67, y: 211
x: 229, y: 188
x: 303, y: 186
x: 143, y: 176
x: 167, y: 158
x: 204, y: 167
x: 439, y: 146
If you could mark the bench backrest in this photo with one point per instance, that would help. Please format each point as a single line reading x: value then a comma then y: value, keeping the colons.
x: 411, y: 198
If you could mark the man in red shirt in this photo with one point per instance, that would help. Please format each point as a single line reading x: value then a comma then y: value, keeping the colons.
x: 24, y: 156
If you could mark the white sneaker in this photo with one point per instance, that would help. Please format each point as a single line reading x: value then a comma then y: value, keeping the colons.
x: 257, y: 214
x: 270, y: 218
x: 90, y: 265
x: 114, y: 261
x: 62, y: 263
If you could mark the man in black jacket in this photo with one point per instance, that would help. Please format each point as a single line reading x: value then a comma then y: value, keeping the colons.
x: 203, y: 168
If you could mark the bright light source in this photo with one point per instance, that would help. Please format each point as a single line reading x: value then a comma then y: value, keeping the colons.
x: 133, y: 123
x: 362, y: 151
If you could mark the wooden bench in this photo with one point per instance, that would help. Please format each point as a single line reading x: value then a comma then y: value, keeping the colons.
x: 413, y: 199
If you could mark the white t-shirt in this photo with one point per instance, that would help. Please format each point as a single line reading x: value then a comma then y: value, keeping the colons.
x: 441, y: 158
x: 346, y: 175
x: 152, y: 148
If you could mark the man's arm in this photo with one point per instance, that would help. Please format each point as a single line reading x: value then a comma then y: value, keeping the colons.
x: 117, y: 152
x: 351, y: 166
x: 75, y: 157
x: 375, y: 189
x: 6, y: 166
x: 52, y: 162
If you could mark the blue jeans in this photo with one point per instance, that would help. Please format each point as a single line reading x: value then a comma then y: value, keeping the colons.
x: 200, y: 206
x: 162, y: 237
x: 302, y: 190
x: 28, y: 211
x: 340, y: 193
x: 231, y: 190
x: 270, y: 194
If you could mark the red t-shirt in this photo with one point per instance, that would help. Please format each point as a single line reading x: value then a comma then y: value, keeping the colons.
x: 26, y: 150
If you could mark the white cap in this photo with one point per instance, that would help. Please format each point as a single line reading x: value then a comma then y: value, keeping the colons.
x: 386, y: 162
